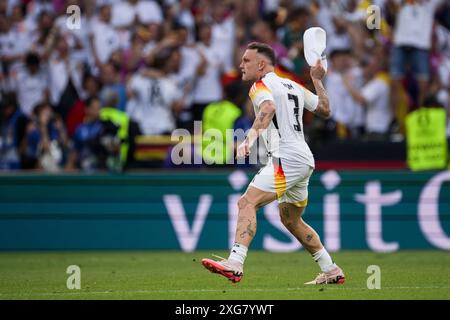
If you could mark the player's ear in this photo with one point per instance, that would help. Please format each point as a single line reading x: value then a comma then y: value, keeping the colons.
x: 261, y: 65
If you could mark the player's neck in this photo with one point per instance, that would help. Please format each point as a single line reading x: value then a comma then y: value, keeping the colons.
x: 266, y: 71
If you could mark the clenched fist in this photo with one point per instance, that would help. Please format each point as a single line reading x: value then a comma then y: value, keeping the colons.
x: 317, y: 72
x: 243, y: 150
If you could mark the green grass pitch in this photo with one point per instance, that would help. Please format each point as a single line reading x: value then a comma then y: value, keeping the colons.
x: 161, y: 275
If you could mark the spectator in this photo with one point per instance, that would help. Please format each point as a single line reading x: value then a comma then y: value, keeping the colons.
x: 223, y: 33
x: 347, y: 113
x: 185, y: 76
x: 183, y: 16
x: 208, y: 87
x: 412, y: 43
x: 104, y: 38
x: 31, y: 84
x: 76, y: 38
x: 126, y: 14
x: 35, y: 8
x: 21, y: 27
x: 219, y: 116
x: 65, y: 78
x: 40, y: 36
x: 46, y: 140
x: 110, y: 79
x: 12, y: 49
x: 153, y: 99
x: 134, y: 55
x: 297, y: 24
x: 374, y: 96
x: 127, y: 129
x: 10, y: 135
x: 95, y: 142
x: 76, y: 115
x: 262, y: 31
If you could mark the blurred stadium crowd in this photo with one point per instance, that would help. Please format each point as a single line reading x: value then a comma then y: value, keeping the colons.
x: 78, y: 94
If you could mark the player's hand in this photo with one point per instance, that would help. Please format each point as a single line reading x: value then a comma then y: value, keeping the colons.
x: 317, y: 72
x: 243, y: 150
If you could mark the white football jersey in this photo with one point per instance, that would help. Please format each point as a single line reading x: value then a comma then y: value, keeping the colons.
x: 152, y: 102
x: 284, y: 137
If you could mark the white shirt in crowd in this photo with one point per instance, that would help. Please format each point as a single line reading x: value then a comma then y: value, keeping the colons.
x: 414, y: 24
x: 335, y: 41
x: 76, y: 36
x: 60, y: 72
x: 35, y: 8
x: 187, y: 72
x: 124, y: 13
x: 186, y: 18
x: 14, y: 43
x: 344, y: 108
x: 378, y: 110
x: 106, y: 39
x: 208, y: 87
x: 151, y: 104
x: 223, y: 39
x: 30, y: 89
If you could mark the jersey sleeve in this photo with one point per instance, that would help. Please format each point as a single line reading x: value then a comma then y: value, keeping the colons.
x: 311, y: 100
x: 260, y: 93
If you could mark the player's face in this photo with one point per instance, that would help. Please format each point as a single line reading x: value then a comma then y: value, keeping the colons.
x: 250, y: 65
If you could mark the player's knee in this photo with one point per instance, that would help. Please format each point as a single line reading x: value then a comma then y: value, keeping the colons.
x: 244, y: 203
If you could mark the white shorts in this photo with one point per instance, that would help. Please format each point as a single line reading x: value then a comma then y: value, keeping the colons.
x: 288, y: 181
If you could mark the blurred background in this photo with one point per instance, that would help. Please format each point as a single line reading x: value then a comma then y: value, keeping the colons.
x: 92, y: 90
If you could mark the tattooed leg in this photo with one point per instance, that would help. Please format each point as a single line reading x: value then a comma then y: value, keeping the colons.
x: 292, y: 220
x: 248, y: 204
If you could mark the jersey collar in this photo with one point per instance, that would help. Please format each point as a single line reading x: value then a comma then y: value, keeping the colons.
x: 267, y: 74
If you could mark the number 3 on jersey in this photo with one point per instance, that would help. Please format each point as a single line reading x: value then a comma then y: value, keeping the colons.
x: 297, y: 127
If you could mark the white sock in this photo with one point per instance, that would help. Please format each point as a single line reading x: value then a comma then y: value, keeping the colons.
x: 324, y: 260
x: 238, y: 253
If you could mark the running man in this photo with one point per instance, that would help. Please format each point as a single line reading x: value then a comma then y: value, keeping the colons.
x: 278, y: 104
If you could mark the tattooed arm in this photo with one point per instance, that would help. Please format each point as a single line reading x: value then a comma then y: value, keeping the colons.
x: 317, y: 74
x: 262, y: 121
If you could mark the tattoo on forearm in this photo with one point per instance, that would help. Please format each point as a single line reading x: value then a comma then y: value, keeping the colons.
x: 309, y: 237
x: 262, y: 116
x: 321, y: 92
x: 323, y: 98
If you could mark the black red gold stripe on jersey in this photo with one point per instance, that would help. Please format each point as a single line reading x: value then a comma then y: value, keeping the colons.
x: 280, y: 178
